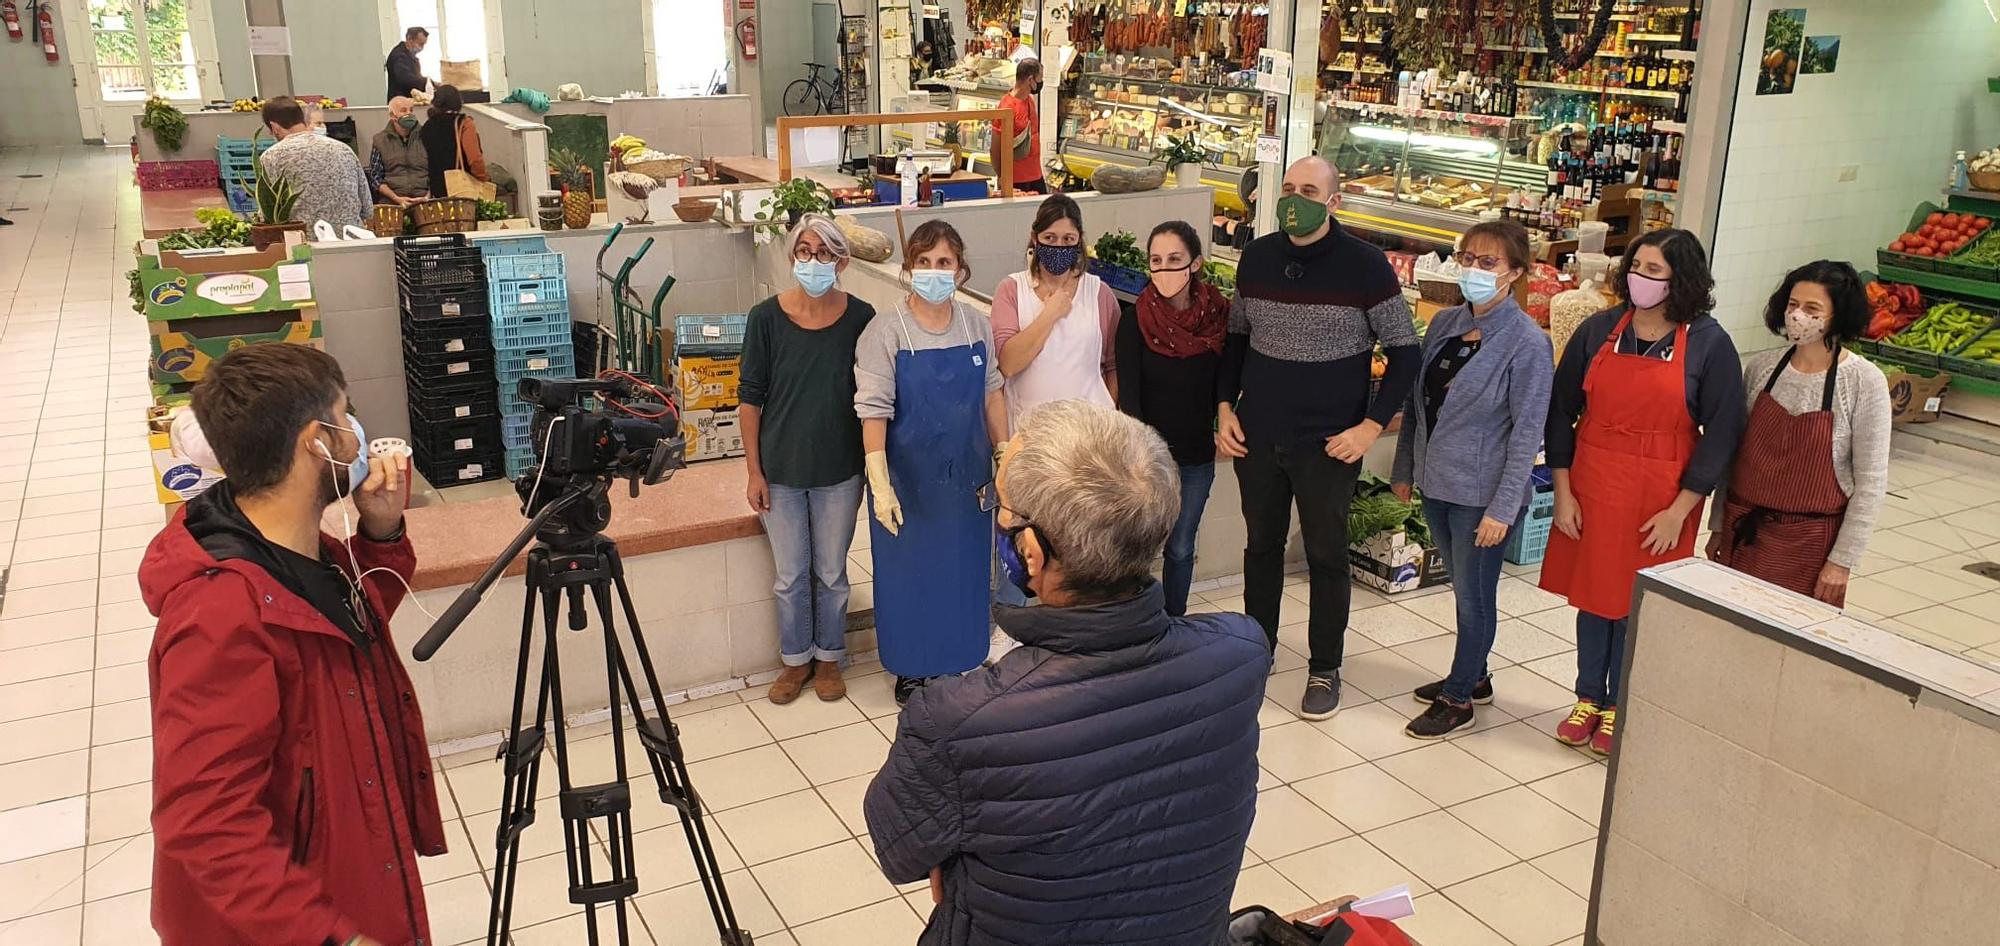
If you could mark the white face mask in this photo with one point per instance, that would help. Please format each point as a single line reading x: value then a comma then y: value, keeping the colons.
x: 357, y: 468
x: 1803, y: 328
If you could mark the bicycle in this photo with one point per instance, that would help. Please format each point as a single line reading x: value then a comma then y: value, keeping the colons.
x: 817, y: 95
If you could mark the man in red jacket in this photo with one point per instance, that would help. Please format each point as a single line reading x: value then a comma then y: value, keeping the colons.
x: 292, y: 784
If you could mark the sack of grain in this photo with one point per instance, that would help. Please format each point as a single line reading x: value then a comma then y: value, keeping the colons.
x: 1568, y: 310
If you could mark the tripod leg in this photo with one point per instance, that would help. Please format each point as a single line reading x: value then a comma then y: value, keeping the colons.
x: 663, y: 747
x: 520, y: 758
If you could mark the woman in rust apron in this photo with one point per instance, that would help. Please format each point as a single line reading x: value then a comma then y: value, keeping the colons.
x: 1805, y: 487
x: 1640, y: 429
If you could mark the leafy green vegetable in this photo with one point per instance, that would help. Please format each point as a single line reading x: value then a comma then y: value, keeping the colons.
x: 1121, y: 248
x: 1376, y: 511
x: 1221, y: 275
x: 492, y: 210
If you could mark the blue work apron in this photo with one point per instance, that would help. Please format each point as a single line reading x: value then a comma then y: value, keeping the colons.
x: 932, y: 580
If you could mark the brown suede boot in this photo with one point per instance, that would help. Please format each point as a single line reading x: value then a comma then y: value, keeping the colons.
x: 827, y: 682
x: 786, y: 688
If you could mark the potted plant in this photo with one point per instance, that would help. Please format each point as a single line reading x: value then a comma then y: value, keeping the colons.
x: 1183, y: 157
x: 574, y: 179
x: 274, y: 196
x: 794, y: 199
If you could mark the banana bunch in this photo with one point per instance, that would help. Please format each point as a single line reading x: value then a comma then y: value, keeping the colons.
x: 246, y: 105
x: 628, y: 145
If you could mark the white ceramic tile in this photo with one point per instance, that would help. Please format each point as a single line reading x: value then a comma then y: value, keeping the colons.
x: 41, y: 829
x: 1299, y: 750
x: 1343, y: 867
x: 823, y: 882
x: 888, y: 921
x: 1439, y: 848
x: 1287, y: 823
x: 782, y: 826
x: 121, y: 763
x: 1522, y: 904
x: 1445, y: 774
x: 120, y: 921
x: 44, y: 735
x: 835, y: 754
x: 118, y: 867
x: 1524, y: 823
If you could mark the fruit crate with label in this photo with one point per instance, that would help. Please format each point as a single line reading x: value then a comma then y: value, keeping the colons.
x: 708, y: 353
x: 186, y: 284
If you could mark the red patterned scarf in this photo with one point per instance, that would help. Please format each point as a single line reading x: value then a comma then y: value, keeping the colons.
x: 1198, y: 329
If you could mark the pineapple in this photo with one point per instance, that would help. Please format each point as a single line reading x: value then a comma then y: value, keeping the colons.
x: 570, y: 172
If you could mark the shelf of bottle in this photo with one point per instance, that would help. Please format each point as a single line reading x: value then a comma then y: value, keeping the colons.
x: 1615, y: 17
x: 1684, y: 55
x: 1602, y: 90
x: 1652, y: 37
x: 1671, y: 128
x: 1543, y: 50
x: 1358, y: 71
x: 1469, y: 118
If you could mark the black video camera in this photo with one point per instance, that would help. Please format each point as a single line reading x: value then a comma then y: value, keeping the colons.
x: 570, y: 441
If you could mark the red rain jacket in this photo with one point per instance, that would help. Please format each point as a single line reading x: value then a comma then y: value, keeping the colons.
x: 292, y: 784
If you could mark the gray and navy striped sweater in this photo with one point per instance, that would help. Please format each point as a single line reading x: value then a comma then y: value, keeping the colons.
x: 1302, y: 332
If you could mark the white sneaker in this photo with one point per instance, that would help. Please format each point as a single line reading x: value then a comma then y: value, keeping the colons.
x: 998, y: 644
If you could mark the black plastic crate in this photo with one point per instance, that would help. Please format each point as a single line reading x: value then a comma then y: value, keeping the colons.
x: 443, y: 472
x: 468, y: 300
x: 447, y: 336
x: 440, y: 260
x: 585, y: 339
x: 430, y: 405
x: 448, y: 364
x: 447, y: 388
x: 468, y: 437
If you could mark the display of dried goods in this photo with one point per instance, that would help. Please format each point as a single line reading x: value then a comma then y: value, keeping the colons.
x: 1580, y: 53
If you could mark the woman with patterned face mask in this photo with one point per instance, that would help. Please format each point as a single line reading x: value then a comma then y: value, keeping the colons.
x: 1054, y: 322
x: 1813, y: 464
x: 1168, y: 353
x: 928, y: 395
x: 802, y: 452
x: 1643, y: 419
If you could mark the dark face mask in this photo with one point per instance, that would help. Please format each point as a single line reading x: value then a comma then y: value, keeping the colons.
x: 1038, y: 88
x: 1011, y: 562
x: 1057, y: 260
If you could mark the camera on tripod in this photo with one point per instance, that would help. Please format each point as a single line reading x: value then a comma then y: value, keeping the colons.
x: 626, y: 440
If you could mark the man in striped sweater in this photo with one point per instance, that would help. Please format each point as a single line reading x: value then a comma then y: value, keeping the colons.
x: 1312, y: 302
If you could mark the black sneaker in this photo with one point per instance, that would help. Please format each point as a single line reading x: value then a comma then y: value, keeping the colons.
x: 1322, y: 697
x: 906, y: 686
x: 1482, y: 692
x: 1443, y: 718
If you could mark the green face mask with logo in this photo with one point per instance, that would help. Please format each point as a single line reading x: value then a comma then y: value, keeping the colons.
x: 1299, y: 215
x: 407, y: 121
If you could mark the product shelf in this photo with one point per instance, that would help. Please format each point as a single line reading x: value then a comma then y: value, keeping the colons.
x: 1601, y: 90
x: 1939, y: 282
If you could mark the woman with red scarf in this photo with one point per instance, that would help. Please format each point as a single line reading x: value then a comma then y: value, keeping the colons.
x: 1168, y: 353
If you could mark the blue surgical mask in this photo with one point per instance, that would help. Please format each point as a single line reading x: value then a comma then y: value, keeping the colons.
x: 357, y: 468
x: 935, y: 285
x: 1011, y: 562
x: 1057, y: 260
x: 1478, y: 285
x: 814, y: 276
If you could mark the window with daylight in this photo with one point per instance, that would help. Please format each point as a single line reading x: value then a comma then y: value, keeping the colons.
x: 458, y: 34
x: 690, y: 45
x: 143, y: 47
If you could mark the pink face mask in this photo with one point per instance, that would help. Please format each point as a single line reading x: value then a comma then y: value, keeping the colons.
x: 1645, y: 291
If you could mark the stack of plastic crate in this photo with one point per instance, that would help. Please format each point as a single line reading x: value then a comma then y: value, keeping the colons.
x: 448, y: 360
x: 236, y: 158
x: 531, y: 332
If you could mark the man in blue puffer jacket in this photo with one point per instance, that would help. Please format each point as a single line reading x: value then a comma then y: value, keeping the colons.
x: 1097, y: 784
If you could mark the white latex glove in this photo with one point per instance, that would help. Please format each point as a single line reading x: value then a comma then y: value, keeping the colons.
x: 888, y: 510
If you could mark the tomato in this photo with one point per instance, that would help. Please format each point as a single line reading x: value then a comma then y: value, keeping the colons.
x: 1934, y: 218
x: 1896, y: 246
x: 1981, y: 223
x: 1951, y: 220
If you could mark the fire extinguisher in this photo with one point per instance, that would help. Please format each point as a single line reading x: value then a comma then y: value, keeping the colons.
x: 48, y: 28
x: 12, y: 16
x: 746, y: 38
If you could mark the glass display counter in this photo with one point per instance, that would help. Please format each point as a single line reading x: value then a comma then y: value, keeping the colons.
x: 1426, y: 174
x: 1125, y: 121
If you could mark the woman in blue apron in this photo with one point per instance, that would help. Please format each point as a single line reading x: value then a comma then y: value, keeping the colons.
x: 927, y: 391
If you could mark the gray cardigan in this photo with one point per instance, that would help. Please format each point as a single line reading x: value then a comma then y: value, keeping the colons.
x: 1490, y: 426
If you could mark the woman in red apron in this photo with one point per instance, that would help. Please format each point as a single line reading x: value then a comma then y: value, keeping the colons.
x: 1643, y: 419
x: 1814, y: 460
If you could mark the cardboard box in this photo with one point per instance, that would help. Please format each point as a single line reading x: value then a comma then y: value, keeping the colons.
x: 1914, y: 398
x: 197, y: 283
x: 711, y: 434
x: 1390, y: 562
x: 707, y: 382
x: 176, y: 479
x: 183, y: 350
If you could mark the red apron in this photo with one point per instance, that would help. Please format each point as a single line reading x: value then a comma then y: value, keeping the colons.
x: 1785, y: 506
x: 1632, y: 446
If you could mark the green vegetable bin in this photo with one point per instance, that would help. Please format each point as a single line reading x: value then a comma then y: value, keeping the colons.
x: 1986, y: 369
x: 1953, y: 265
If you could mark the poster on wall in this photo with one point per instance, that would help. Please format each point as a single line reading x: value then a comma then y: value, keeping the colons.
x: 1784, y: 36
x: 1820, y: 55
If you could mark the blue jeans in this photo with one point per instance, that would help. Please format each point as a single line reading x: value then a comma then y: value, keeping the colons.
x: 810, y: 530
x: 1600, y: 657
x: 1475, y: 583
x: 1177, y: 567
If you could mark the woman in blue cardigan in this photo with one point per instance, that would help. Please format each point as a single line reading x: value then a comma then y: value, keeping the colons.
x: 1481, y: 396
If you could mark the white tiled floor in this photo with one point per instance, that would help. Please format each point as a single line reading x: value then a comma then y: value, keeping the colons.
x: 1494, y: 828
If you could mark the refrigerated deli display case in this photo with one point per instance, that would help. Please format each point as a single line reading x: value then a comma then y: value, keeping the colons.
x: 1424, y: 174
x: 1124, y: 120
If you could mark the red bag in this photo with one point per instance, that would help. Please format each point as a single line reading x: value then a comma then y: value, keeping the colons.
x: 1258, y: 926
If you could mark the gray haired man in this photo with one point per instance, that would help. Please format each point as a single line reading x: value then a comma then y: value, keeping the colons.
x: 1097, y: 784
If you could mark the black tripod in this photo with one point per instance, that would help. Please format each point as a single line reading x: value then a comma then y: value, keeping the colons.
x: 570, y: 557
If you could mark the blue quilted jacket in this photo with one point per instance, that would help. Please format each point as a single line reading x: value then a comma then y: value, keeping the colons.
x: 1095, y: 787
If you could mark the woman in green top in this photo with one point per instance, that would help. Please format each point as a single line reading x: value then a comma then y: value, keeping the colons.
x: 802, y: 447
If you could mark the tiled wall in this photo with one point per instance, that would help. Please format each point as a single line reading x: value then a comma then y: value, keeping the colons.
x: 1910, y: 88
x: 1766, y: 794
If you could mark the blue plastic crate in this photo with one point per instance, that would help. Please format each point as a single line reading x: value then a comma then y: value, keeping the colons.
x: 1530, y: 538
x: 524, y: 265
x: 709, y: 334
x: 522, y: 338
x: 511, y: 367
x: 515, y: 430
x: 239, y: 199
x: 513, y: 293
x: 511, y: 245
x: 520, y: 461
x: 534, y: 315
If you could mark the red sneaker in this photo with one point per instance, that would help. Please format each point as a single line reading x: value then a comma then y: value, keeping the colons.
x: 1600, y: 742
x: 1582, y: 722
